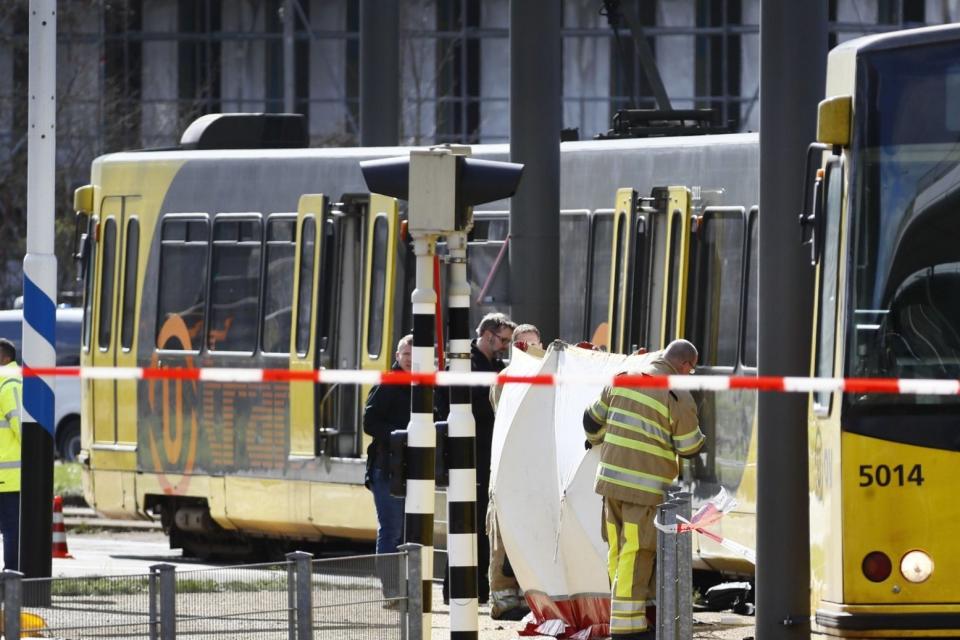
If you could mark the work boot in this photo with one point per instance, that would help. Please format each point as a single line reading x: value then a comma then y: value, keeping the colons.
x: 504, y: 602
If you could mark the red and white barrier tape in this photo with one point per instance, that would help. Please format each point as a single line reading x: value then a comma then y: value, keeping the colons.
x: 485, y: 379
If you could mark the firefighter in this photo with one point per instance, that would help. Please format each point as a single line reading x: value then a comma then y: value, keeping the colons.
x: 643, y: 431
x: 9, y: 455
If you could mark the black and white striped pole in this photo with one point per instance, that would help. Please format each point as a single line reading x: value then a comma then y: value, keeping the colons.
x: 462, y: 516
x: 421, y: 434
x: 441, y: 184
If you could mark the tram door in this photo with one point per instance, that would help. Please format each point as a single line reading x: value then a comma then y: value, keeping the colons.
x: 651, y: 240
x: 378, y: 341
x: 112, y: 343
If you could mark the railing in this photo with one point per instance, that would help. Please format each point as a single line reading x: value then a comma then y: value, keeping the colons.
x: 300, y: 598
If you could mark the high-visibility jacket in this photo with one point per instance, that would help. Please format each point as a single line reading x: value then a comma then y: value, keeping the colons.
x: 10, y: 391
x: 643, y: 431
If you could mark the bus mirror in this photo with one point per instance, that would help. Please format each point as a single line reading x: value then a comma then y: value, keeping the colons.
x: 809, y: 207
x: 83, y: 200
x: 833, y: 121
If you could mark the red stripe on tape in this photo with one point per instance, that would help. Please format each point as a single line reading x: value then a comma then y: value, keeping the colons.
x: 760, y: 383
x: 171, y: 374
x: 871, y: 385
x: 641, y: 380
x: 285, y: 375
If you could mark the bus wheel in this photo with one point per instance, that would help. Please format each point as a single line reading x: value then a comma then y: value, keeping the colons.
x: 68, y: 439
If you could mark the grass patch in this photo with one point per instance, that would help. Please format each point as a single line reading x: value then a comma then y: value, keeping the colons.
x: 99, y: 586
x: 66, y: 479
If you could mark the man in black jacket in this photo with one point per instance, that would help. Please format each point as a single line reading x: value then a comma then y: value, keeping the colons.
x: 494, y: 334
x: 387, y: 409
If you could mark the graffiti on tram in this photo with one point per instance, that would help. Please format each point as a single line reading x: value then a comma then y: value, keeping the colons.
x: 200, y: 427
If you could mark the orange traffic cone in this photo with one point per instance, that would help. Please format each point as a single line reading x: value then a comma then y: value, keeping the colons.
x: 59, y: 549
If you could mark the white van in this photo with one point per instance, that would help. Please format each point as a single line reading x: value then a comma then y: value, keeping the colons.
x: 66, y: 390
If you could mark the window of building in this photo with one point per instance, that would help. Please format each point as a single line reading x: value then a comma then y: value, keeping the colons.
x: 274, y: 76
x: 131, y: 259
x: 122, y: 73
x: 183, y: 279
x: 458, y: 71
x: 199, y: 59
x: 234, y: 284
x: 278, y: 283
x: 718, y: 59
x: 629, y: 86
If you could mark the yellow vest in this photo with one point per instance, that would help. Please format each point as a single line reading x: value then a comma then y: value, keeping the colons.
x: 10, y: 390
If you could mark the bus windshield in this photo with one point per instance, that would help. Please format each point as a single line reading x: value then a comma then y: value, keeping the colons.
x: 905, y: 203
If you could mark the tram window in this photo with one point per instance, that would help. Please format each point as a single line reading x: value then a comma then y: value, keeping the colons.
x: 601, y: 239
x: 827, y: 307
x: 574, y: 232
x: 308, y: 234
x: 130, y: 283
x: 658, y: 273
x: 637, y: 328
x: 183, y: 278
x: 278, y: 284
x: 330, y: 250
x: 106, y: 283
x: 91, y: 259
x: 675, y: 268
x: 234, y: 285
x: 713, y: 311
x: 750, y: 319
x: 378, y: 284
x: 618, y: 289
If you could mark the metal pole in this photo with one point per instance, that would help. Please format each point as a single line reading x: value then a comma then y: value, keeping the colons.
x: 153, y: 606
x: 421, y: 434
x: 667, y: 607
x: 462, y: 516
x: 289, y: 58
x: 12, y: 604
x: 793, y: 47
x: 168, y: 601
x: 291, y: 599
x: 379, y: 73
x: 39, y: 300
x: 684, y: 570
x: 415, y: 592
x: 535, y: 122
x: 661, y: 572
x: 304, y: 593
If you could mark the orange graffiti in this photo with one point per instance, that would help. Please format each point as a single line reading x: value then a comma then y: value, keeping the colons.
x: 173, y: 427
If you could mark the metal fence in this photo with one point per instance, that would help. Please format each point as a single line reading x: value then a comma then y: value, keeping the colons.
x: 349, y: 597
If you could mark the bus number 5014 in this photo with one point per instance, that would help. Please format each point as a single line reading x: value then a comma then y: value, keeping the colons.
x: 883, y: 475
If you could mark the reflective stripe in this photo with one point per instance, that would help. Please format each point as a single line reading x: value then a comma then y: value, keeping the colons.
x: 594, y: 411
x: 596, y: 438
x: 628, y: 556
x: 638, y: 424
x: 10, y: 465
x: 4, y: 424
x: 627, y: 606
x: 636, y: 445
x: 626, y: 624
x: 689, y: 441
x: 12, y: 414
x: 613, y: 551
x: 642, y: 398
x: 631, y: 480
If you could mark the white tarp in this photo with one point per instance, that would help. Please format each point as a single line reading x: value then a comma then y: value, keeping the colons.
x: 541, y: 487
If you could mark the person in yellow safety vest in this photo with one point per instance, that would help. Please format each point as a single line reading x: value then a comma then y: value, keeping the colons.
x: 10, y: 391
x: 642, y: 431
